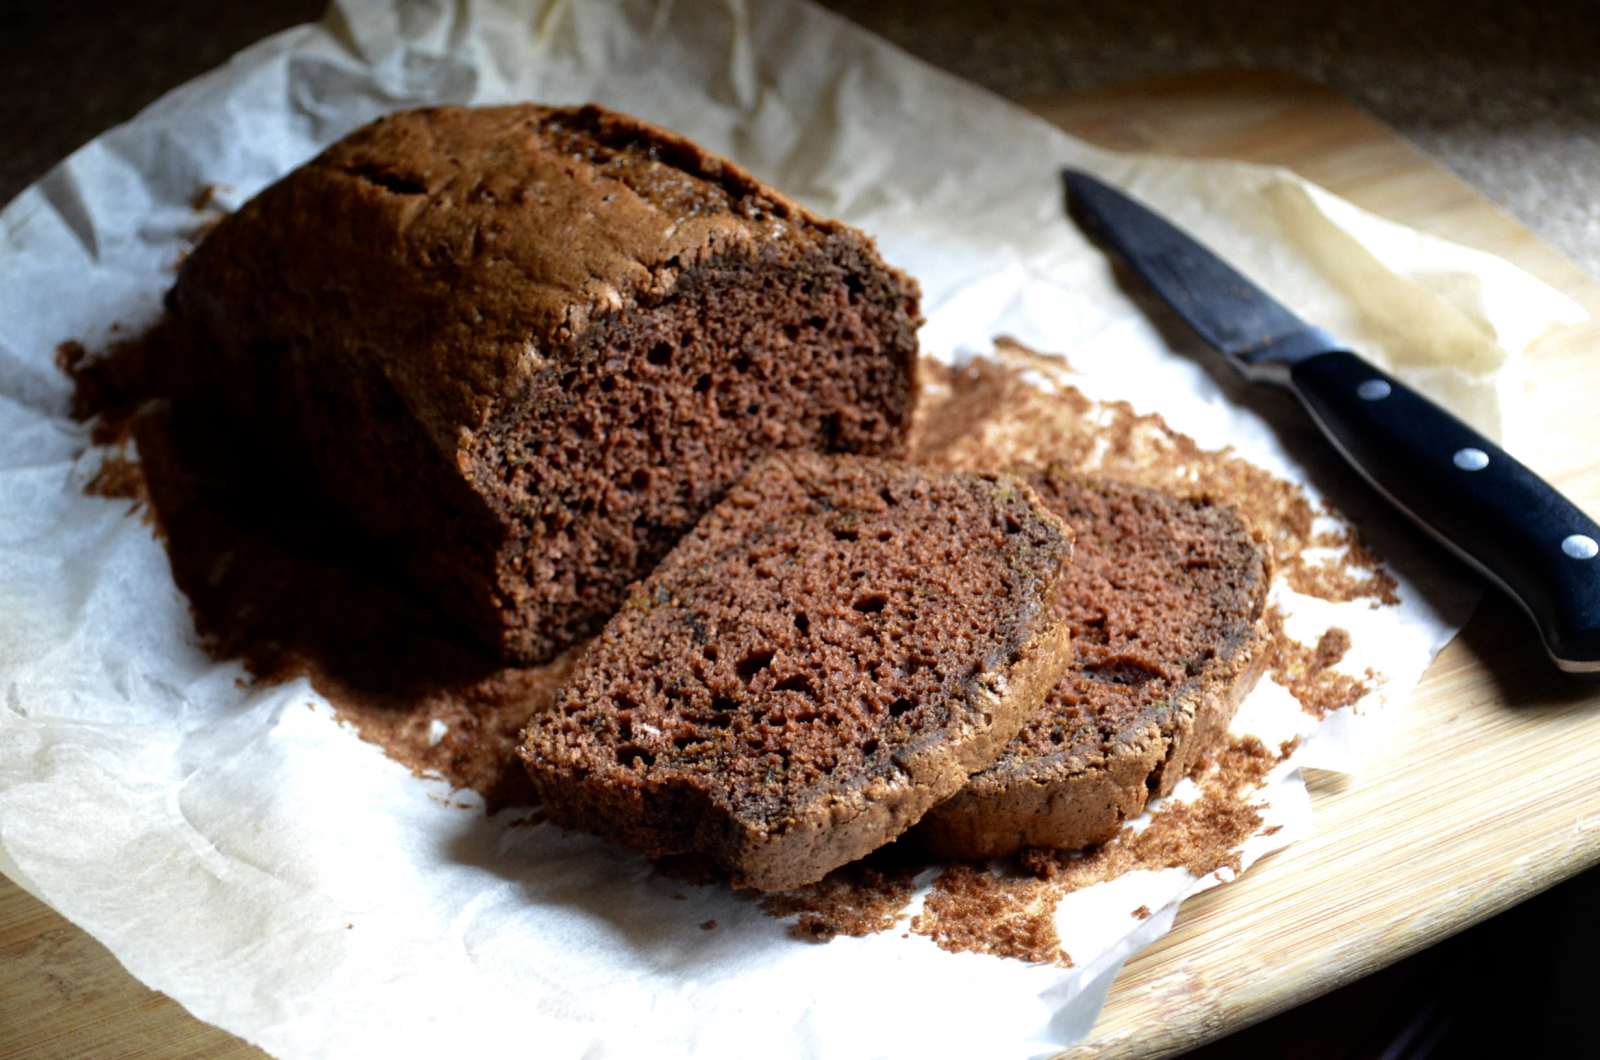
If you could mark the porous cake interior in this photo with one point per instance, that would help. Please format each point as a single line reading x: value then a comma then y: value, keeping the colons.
x: 660, y: 409
x: 1159, y: 590
x: 827, y: 617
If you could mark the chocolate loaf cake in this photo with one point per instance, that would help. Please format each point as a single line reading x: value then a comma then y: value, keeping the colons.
x: 1164, y: 598
x: 832, y: 651
x: 522, y: 349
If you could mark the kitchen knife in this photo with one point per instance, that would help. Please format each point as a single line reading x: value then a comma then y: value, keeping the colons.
x: 1516, y: 529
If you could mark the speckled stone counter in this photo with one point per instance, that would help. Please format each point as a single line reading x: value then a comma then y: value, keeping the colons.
x: 1506, y: 94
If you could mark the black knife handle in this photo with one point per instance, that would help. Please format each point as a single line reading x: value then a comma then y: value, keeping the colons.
x: 1500, y: 517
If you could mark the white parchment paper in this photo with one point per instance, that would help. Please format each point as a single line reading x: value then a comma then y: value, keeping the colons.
x: 237, y: 848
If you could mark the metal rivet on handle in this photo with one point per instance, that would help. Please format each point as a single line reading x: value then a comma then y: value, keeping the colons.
x: 1580, y: 546
x: 1373, y: 390
x: 1470, y: 459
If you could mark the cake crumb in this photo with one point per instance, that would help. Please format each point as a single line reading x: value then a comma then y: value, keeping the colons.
x: 859, y: 899
x: 204, y: 197
x: 121, y: 478
x: 1307, y: 671
x: 709, y: 925
x: 1012, y: 914
x: 973, y: 910
x: 1142, y: 913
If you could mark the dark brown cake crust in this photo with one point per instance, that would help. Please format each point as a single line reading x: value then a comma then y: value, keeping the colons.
x: 833, y: 650
x: 523, y: 349
x: 1165, y: 598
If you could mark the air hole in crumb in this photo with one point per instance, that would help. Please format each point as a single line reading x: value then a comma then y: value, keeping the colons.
x: 710, y: 654
x: 797, y: 683
x: 802, y: 622
x: 660, y: 354
x: 888, y: 496
x: 607, y: 384
x: 830, y: 428
x: 870, y: 747
x: 741, y: 364
x: 885, y: 535
x: 1012, y: 526
x: 632, y: 757
x: 753, y: 664
x: 640, y: 480
x: 791, y: 331
x: 702, y: 384
x: 845, y: 533
x: 722, y: 704
x: 871, y: 603
x: 899, y: 707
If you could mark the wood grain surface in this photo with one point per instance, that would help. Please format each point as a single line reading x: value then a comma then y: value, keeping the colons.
x: 1486, y: 795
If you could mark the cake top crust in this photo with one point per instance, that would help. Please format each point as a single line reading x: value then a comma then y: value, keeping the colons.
x: 467, y: 248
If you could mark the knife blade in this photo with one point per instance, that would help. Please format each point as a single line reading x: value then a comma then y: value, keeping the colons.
x: 1506, y: 522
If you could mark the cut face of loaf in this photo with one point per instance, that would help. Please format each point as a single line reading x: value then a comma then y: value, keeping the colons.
x: 830, y: 652
x: 523, y: 349
x: 1164, y: 597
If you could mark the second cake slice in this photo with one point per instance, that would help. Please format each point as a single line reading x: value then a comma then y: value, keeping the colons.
x: 830, y: 653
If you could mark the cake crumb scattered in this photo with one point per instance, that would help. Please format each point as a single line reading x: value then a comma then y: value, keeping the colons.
x: 1307, y: 671
x: 860, y: 899
x: 971, y: 909
x: 121, y: 478
x: 709, y: 925
x: 204, y: 197
x: 1142, y: 913
x: 1012, y: 914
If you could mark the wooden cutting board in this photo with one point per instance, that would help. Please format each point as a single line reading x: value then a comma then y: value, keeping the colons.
x: 1489, y: 793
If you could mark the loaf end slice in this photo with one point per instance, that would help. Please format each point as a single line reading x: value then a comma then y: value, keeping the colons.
x: 834, y: 649
x: 1165, y: 599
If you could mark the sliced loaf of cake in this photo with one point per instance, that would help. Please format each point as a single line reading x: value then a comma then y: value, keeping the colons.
x: 830, y: 652
x: 1164, y: 598
x: 522, y: 349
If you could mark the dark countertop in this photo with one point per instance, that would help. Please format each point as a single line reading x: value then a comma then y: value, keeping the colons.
x: 1507, y: 95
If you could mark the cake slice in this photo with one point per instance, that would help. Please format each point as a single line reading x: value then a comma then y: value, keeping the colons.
x: 522, y: 349
x: 1164, y: 598
x: 829, y: 653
